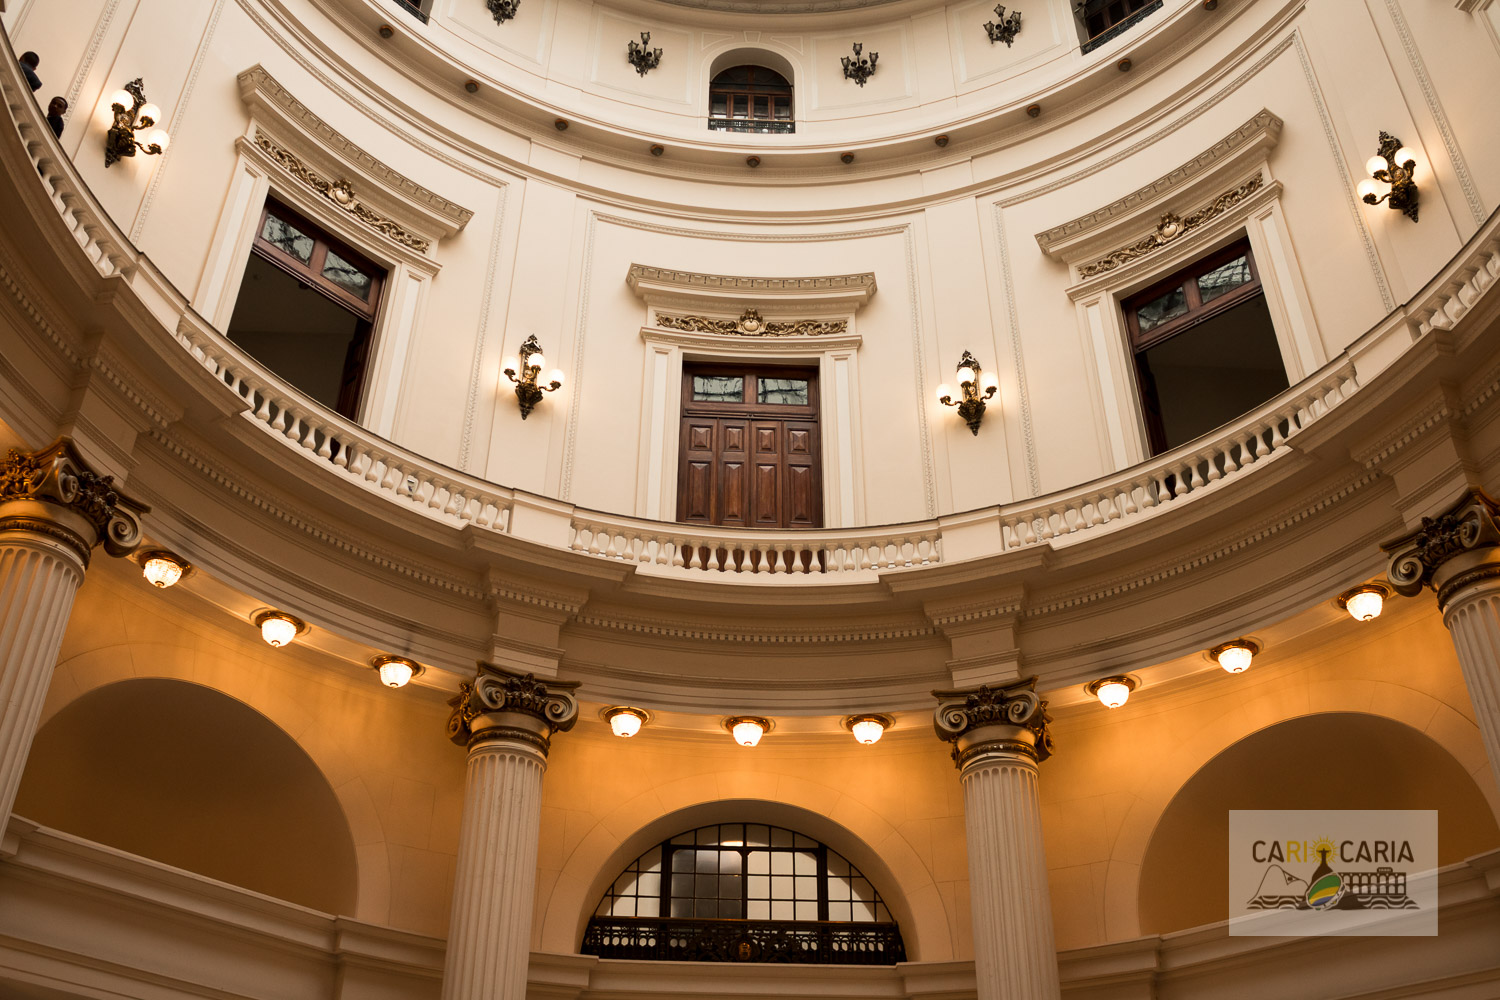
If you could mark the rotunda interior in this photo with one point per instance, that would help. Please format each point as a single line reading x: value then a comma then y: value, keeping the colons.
x: 587, y: 499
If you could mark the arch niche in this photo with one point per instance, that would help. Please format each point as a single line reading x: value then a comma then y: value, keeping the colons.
x: 182, y: 774
x: 761, y: 57
x: 1332, y: 760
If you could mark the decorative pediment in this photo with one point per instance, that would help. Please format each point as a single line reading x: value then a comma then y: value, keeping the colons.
x: 733, y: 294
x: 305, y: 150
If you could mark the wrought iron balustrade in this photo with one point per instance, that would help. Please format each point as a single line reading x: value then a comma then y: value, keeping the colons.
x: 1119, y: 27
x: 764, y: 126
x: 802, y: 942
x: 413, y: 8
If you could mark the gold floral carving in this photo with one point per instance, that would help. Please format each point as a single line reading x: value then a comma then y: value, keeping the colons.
x: 33, y: 483
x: 341, y: 193
x: 1170, y: 229
x: 750, y: 324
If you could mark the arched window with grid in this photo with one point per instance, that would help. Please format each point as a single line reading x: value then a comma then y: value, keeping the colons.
x: 750, y: 99
x: 744, y: 892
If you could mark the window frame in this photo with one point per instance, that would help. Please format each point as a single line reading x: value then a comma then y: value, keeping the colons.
x: 751, y: 93
x: 311, y: 272
x: 1198, y: 312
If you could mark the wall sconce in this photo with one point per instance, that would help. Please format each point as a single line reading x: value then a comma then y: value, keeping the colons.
x: 162, y: 569
x: 868, y: 729
x: 1112, y: 692
x: 132, y: 112
x: 976, y: 388
x: 277, y: 627
x: 503, y: 10
x: 625, y: 721
x: 859, y: 69
x: 1235, y: 656
x: 395, y: 671
x: 747, y: 729
x: 530, y: 366
x: 1364, y: 602
x: 642, y: 58
x: 1007, y: 28
x: 1391, y: 171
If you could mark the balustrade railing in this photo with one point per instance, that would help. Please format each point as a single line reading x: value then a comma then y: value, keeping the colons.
x: 807, y: 943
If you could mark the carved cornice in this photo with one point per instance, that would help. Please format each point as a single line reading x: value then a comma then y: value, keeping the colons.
x: 713, y: 291
x: 750, y: 324
x: 1009, y: 720
x: 1435, y: 553
x: 1170, y: 228
x: 36, y: 486
x: 1261, y: 132
x: 729, y: 282
x: 501, y: 704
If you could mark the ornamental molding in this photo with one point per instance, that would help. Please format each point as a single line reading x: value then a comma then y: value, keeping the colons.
x: 750, y: 324
x: 1120, y: 224
x: 772, y: 635
x: 1423, y: 557
x: 345, y: 173
x: 1169, y: 228
x: 36, y: 486
x: 960, y: 714
x: 530, y: 710
x: 780, y: 347
x: 728, y: 293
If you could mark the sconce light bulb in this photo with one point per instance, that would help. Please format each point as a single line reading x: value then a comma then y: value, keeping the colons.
x: 555, y: 375
x: 1369, y: 190
x: 1365, y: 605
x: 162, y: 571
x: 395, y: 673
x: 746, y: 730
x: 158, y: 137
x: 625, y: 722
x: 538, y: 361
x: 1376, y: 164
x: 868, y: 731
x: 989, y: 381
x: 511, y: 363
x: 944, y: 391
x: 1113, y: 694
x: 1236, y: 659
x: 1405, y: 156
x: 967, y: 374
x: 123, y: 98
x: 148, y: 110
x: 278, y: 629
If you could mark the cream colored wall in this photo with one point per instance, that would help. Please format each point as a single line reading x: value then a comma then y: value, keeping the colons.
x: 948, y: 233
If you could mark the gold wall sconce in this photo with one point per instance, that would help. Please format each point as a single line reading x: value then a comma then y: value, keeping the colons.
x: 1391, y: 171
x: 529, y: 366
x: 133, y: 113
x: 975, y: 387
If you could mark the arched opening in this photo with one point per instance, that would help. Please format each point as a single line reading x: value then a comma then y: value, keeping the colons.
x: 1336, y: 760
x: 190, y: 777
x: 744, y: 892
x: 750, y: 98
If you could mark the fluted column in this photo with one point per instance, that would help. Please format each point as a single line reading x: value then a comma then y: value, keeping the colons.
x: 53, y: 511
x: 999, y: 737
x: 1458, y: 555
x: 506, y: 721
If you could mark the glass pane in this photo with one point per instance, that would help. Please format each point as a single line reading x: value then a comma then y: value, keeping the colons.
x: 781, y: 887
x: 806, y: 864
x: 838, y: 911
x: 720, y: 107
x: 882, y: 914
x: 729, y: 887
x: 759, y: 910
x: 707, y: 909
x: 805, y: 841
x: 706, y: 887
x: 625, y: 885
x: 682, y: 908
x: 683, y: 838
x: 732, y: 835
x: 760, y: 887
x: 757, y: 836
x: 682, y: 861
x: 718, y: 388
x: 807, y: 911
x: 682, y: 887
x: 649, y: 885
x: 807, y: 887
x: 838, y: 887
x: 708, y: 835
x: 1160, y: 310
x: 864, y: 911
x: 780, y: 837
x: 731, y: 909
x: 837, y: 865
x: 729, y: 862
x: 625, y: 907
x: 287, y: 239
x: 759, y: 862
x: 862, y: 890
x: 344, y: 274
x: 781, y: 864
x: 786, y: 392
x: 1223, y: 278
x: 648, y: 906
x: 781, y: 910
x: 708, y: 861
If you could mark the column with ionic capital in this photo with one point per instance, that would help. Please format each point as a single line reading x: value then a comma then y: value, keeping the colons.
x: 53, y: 511
x: 999, y: 735
x: 506, y: 720
x: 1457, y: 554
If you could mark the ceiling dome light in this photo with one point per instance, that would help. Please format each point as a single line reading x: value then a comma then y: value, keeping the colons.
x: 279, y: 628
x: 625, y: 721
x: 747, y: 729
x: 163, y: 569
x: 1235, y: 656
x: 1112, y: 692
x: 868, y: 729
x: 395, y: 671
x: 1364, y: 602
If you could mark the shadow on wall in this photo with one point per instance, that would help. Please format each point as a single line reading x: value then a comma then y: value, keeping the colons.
x: 1337, y: 760
x: 184, y: 775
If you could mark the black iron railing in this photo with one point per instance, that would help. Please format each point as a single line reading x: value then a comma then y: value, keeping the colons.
x: 413, y: 8
x: 803, y: 942
x: 761, y: 125
x: 1120, y: 27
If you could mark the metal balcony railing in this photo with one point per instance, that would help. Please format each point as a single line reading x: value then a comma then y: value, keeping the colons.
x: 1119, y: 27
x: 784, y: 942
x: 763, y: 126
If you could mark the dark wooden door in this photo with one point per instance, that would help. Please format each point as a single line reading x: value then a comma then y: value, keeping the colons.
x: 750, y: 449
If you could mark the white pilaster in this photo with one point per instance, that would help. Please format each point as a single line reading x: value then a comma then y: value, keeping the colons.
x: 1473, y: 619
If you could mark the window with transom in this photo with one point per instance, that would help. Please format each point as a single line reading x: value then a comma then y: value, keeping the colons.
x: 744, y: 892
x: 750, y: 99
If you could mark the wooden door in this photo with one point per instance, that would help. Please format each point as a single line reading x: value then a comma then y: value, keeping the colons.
x: 750, y: 449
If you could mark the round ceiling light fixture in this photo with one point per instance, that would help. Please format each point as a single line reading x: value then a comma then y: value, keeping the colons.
x: 1114, y: 691
x: 1235, y: 656
x: 625, y: 721
x: 868, y: 728
x: 1364, y: 602
x: 162, y: 569
x: 277, y: 627
x: 747, y: 729
x: 395, y: 671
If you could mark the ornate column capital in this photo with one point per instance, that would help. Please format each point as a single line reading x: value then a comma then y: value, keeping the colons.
x: 1011, y: 721
x: 1450, y: 551
x: 500, y: 704
x: 53, y: 492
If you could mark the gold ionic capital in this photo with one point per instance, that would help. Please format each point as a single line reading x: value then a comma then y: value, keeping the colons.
x: 53, y: 492
x: 500, y: 704
x: 980, y: 721
x: 1448, y: 552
